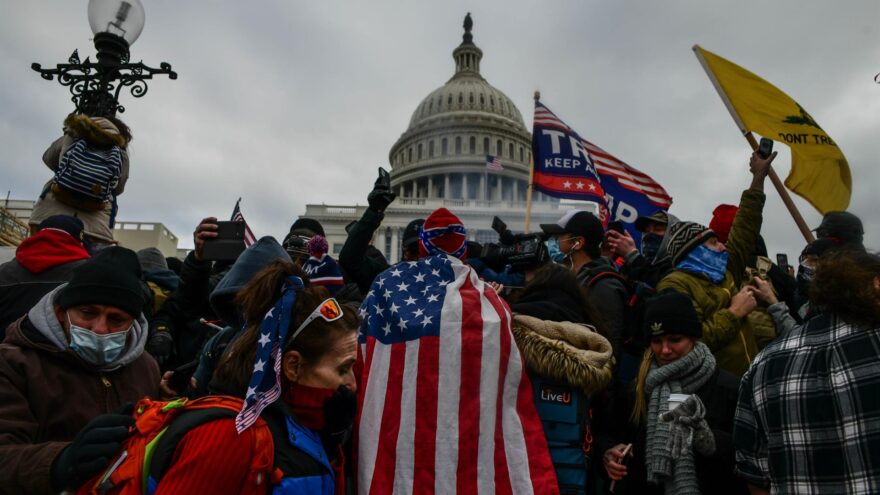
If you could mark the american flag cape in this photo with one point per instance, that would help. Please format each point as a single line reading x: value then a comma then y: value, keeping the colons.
x: 623, y: 191
x: 264, y: 387
x: 445, y: 404
x: 249, y: 238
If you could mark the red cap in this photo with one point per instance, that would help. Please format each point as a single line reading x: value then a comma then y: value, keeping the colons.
x: 722, y: 220
x: 443, y: 232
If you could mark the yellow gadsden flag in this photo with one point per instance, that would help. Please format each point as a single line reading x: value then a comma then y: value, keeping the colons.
x: 819, y: 172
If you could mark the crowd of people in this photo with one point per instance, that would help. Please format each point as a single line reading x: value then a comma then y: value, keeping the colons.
x: 689, y: 364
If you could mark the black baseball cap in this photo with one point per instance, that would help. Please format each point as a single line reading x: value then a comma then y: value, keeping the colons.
x: 411, y: 232
x: 578, y: 223
x: 842, y: 226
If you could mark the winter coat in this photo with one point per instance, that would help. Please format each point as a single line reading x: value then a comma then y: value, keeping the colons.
x: 730, y: 338
x: 356, y: 265
x: 613, y: 426
x: 42, y: 262
x: 608, y: 296
x: 202, y: 464
x: 564, y: 352
x: 47, y: 394
x: 97, y: 130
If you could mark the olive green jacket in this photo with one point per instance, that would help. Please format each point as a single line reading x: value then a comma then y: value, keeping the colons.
x: 730, y: 338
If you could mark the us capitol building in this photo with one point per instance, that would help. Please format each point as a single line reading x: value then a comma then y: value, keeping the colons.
x: 440, y: 161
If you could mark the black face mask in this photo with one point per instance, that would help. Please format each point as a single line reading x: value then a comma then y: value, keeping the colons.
x: 651, y: 245
x: 804, y: 279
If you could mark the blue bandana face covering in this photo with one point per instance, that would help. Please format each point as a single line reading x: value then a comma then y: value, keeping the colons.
x: 705, y: 260
x: 651, y: 245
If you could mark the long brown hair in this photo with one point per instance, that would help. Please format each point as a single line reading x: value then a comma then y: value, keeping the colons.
x: 844, y: 284
x: 256, y: 298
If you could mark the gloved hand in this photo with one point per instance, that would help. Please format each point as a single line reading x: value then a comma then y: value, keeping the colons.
x: 381, y: 196
x: 90, y: 452
x: 339, y: 413
x: 160, y: 345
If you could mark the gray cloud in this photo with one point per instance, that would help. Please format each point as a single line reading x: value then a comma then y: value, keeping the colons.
x: 288, y: 103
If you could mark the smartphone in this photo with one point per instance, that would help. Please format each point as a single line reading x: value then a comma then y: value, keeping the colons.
x: 228, y: 244
x: 765, y: 148
x: 782, y: 261
x: 179, y: 381
x: 384, y: 177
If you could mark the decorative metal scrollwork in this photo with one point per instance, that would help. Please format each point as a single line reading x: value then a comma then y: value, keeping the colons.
x: 94, y: 86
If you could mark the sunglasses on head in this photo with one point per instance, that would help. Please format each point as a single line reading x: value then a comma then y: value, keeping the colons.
x: 329, y: 310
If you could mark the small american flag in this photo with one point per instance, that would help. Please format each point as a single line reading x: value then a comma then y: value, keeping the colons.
x: 445, y: 404
x: 493, y: 163
x: 249, y: 238
x: 265, y: 385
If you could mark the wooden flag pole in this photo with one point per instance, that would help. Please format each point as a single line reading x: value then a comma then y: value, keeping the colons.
x: 774, y: 178
x: 531, y: 186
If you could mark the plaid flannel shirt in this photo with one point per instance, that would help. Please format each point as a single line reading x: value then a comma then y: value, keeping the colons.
x: 808, y: 414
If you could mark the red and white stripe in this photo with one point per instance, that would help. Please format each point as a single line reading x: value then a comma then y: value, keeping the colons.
x: 249, y: 238
x: 452, y: 413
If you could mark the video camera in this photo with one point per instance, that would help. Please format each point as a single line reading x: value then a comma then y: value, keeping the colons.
x: 520, y: 251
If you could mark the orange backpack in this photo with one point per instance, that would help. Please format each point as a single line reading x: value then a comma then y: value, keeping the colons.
x: 159, y: 425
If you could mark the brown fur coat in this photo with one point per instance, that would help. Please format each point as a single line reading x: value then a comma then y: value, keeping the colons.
x: 564, y: 351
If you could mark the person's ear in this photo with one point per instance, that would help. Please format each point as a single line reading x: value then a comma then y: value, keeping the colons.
x: 292, y: 365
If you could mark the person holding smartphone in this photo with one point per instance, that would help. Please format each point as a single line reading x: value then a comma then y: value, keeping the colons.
x: 670, y: 432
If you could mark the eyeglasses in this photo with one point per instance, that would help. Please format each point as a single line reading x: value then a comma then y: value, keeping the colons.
x: 329, y: 310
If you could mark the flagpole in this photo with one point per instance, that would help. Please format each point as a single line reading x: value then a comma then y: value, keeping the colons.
x: 774, y: 178
x: 531, y: 186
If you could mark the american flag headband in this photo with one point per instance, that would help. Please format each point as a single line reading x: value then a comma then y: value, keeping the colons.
x: 264, y: 387
x: 427, y: 236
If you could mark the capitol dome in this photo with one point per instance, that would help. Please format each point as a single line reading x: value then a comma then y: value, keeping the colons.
x: 443, y: 152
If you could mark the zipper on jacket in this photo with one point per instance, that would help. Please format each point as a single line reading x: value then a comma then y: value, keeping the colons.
x: 107, y: 386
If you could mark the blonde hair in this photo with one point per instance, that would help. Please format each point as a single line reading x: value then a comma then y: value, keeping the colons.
x: 640, y: 406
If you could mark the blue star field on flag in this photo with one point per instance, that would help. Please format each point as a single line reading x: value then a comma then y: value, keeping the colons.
x: 265, y: 384
x: 405, y: 301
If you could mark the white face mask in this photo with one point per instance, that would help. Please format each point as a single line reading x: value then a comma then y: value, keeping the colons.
x: 99, y: 350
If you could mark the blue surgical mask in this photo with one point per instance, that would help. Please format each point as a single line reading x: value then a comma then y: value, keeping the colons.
x: 99, y: 350
x: 651, y: 245
x: 555, y: 253
x: 704, y: 260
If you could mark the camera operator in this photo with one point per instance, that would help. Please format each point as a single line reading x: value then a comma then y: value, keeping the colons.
x: 575, y: 242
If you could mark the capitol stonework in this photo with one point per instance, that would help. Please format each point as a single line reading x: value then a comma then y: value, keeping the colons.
x: 440, y: 161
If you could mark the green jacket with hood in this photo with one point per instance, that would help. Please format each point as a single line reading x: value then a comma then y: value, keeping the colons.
x: 730, y: 338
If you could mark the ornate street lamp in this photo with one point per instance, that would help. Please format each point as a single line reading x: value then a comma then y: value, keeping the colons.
x: 95, y: 86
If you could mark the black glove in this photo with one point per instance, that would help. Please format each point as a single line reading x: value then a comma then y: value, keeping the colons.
x: 339, y: 412
x: 160, y: 344
x: 381, y: 196
x: 90, y: 452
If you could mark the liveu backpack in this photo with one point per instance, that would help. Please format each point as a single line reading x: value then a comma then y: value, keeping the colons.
x: 565, y: 414
x: 159, y: 425
x: 87, y: 175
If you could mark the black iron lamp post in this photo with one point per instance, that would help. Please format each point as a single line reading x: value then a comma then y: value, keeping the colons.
x: 95, y: 86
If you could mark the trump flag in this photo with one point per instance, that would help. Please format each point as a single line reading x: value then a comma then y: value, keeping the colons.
x: 445, y: 404
x: 568, y: 166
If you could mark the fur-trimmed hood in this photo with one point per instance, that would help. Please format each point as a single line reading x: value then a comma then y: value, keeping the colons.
x: 96, y: 130
x: 564, y: 351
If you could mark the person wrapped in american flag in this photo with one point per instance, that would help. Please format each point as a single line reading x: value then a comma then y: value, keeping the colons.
x: 445, y: 405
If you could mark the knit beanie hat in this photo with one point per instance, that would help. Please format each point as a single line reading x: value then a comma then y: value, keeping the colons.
x: 671, y: 312
x: 443, y: 232
x: 722, y: 220
x: 321, y: 268
x: 152, y: 260
x: 683, y: 237
x: 111, y: 277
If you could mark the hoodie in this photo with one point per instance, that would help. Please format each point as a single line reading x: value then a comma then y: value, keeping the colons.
x: 42, y: 262
x: 48, y: 394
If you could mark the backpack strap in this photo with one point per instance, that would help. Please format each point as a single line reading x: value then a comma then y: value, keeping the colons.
x: 593, y: 280
x: 186, y: 421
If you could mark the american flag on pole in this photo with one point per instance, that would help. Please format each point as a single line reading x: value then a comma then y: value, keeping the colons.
x: 564, y: 160
x: 249, y: 238
x: 493, y: 164
x: 445, y: 404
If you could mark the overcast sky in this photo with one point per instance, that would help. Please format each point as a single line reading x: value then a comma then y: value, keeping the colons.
x: 286, y: 103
